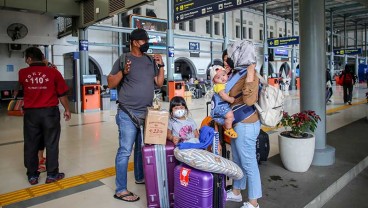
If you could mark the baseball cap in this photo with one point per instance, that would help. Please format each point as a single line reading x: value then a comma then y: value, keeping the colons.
x: 214, y: 69
x: 139, y: 34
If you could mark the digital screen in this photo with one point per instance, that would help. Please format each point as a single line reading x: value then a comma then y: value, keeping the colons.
x: 281, y: 52
x: 151, y: 24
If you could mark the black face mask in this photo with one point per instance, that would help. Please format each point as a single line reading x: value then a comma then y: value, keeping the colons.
x: 144, y: 48
x: 230, y: 62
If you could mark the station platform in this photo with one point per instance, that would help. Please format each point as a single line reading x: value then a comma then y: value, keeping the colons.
x: 89, y: 142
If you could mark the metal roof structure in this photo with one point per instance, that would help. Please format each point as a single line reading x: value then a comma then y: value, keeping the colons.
x: 355, y: 12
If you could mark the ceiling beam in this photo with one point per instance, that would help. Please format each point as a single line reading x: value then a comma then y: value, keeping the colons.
x: 344, y: 7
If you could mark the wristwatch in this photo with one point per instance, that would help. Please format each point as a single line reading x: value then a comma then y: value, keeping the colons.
x: 160, y: 65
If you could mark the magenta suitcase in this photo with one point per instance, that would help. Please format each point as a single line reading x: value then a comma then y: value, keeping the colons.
x: 159, y: 163
x: 198, y: 188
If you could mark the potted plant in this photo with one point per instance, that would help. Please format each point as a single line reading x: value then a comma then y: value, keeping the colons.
x: 297, y: 146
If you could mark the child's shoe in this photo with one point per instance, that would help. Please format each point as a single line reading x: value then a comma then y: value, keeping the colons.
x: 231, y: 133
x: 42, y: 165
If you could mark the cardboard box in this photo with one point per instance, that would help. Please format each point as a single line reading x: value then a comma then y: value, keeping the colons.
x: 155, y: 130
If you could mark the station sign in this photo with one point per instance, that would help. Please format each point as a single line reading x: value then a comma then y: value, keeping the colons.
x: 194, y: 46
x: 348, y: 51
x: 185, y: 10
x: 83, y: 45
x: 285, y: 41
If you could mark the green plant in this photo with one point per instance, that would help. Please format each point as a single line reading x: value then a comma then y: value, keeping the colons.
x: 300, y: 122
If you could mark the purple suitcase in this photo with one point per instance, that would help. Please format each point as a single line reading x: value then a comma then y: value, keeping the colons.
x: 159, y: 180
x: 196, y: 189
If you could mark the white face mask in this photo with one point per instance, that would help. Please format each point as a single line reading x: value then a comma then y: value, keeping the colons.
x: 179, y: 113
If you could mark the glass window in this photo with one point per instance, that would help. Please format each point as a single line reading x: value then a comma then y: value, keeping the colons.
x: 223, y: 29
x: 237, y: 31
x: 208, y: 27
x: 150, y: 13
x: 244, y: 33
x: 217, y: 28
x: 260, y: 34
x: 182, y: 26
x: 137, y: 11
x: 191, y: 26
x: 271, y: 34
x: 250, y: 33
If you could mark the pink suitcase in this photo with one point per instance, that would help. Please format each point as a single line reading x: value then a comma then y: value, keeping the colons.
x: 159, y: 163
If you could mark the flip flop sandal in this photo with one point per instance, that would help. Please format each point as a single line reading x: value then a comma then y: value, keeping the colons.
x: 231, y: 133
x: 122, y: 197
x: 140, y: 182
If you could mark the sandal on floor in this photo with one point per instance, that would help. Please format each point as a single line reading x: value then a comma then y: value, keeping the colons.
x: 140, y: 182
x: 231, y: 133
x: 123, y: 197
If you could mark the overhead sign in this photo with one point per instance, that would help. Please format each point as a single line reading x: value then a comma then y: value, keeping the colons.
x: 185, y: 10
x: 283, y: 41
x: 194, y: 46
x: 348, y: 51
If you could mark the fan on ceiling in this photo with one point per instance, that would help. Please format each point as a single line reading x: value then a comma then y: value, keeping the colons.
x: 17, y: 31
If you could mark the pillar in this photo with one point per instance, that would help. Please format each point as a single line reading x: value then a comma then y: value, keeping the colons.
x: 312, y: 75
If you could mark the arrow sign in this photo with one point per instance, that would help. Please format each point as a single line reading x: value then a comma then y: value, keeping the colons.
x: 194, y: 9
x: 283, y: 41
x: 351, y: 51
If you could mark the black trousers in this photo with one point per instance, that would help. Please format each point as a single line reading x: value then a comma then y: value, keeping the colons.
x: 348, y: 93
x: 41, y: 125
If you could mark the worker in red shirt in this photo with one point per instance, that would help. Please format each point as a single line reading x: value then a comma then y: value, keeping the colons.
x: 43, y: 88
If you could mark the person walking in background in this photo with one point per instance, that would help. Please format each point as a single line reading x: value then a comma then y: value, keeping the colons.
x: 241, y: 54
x: 348, y: 81
x: 43, y: 88
x: 328, y: 85
x: 135, y: 79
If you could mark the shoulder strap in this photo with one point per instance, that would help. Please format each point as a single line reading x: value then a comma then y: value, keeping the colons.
x: 234, y: 79
x: 261, y: 79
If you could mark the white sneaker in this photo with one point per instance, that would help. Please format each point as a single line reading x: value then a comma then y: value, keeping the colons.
x: 230, y: 196
x: 249, y: 205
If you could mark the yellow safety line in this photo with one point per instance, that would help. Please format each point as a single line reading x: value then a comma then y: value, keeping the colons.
x: 43, y: 189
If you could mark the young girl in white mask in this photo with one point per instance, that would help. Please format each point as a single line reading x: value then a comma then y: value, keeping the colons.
x: 181, y: 128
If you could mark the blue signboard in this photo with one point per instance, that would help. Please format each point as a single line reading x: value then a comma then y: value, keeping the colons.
x: 83, y: 45
x: 194, y: 46
x: 283, y: 41
x: 170, y: 51
x: 356, y: 51
x: 281, y: 52
x: 185, y: 10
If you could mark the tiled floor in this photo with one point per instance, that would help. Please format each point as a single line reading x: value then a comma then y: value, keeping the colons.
x: 89, y: 142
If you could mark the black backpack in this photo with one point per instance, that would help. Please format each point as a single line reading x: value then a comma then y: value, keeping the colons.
x: 262, y: 146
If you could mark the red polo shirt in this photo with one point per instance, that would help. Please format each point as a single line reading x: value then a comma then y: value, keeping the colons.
x: 42, y: 86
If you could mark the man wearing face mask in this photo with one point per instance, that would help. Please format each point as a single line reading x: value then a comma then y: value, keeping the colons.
x: 135, y: 80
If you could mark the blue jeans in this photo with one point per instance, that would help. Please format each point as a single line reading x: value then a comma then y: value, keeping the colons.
x: 128, y: 135
x: 244, y: 155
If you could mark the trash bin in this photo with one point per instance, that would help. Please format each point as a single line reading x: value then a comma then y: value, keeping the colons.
x: 105, y: 101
